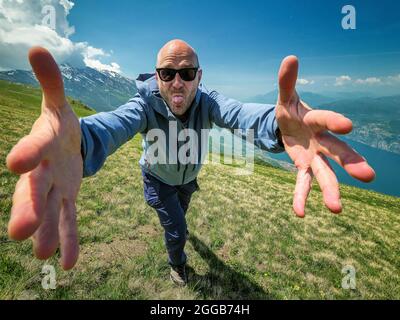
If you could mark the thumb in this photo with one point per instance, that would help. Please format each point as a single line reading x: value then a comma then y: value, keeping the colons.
x: 49, y: 76
x: 287, y: 78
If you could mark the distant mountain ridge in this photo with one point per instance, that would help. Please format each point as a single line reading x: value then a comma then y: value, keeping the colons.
x: 376, y: 121
x: 309, y: 97
x: 100, y: 90
x: 312, y: 98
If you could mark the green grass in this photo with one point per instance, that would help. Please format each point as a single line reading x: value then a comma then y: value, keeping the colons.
x: 245, y: 241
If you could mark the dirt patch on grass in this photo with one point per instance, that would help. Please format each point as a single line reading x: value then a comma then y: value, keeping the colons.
x: 224, y: 252
x: 148, y: 231
x: 117, y: 251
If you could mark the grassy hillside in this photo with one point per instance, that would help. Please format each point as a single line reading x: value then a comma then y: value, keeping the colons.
x: 245, y: 241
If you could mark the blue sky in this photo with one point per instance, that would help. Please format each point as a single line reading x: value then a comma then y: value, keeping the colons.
x: 241, y: 43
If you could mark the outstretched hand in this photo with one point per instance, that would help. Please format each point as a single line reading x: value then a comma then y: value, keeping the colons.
x: 308, y: 141
x: 50, y: 164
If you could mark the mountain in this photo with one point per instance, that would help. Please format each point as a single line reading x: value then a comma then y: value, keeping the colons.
x: 376, y: 121
x: 310, y: 97
x: 314, y: 99
x: 101, y: 90
x: 386, y: 107
x: 341, y: 95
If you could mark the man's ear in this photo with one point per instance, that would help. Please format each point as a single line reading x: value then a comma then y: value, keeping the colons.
x: 157, y: 79
x: 200, y: 72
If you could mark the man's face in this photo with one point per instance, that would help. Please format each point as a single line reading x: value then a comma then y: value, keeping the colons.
x: 178, y: 94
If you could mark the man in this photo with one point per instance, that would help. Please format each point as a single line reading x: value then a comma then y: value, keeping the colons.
x: 60, y: 150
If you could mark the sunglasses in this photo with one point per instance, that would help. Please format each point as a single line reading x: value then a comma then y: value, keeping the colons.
x: 186, y: 74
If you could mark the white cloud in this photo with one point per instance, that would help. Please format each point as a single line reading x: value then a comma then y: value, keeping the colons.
x: 25, y: 23
x: 394, y: 79
x: 96, y: 64
x: 370, y: 80
x: 90, y: 60
x: 342, y: 80
x: 301, y: 81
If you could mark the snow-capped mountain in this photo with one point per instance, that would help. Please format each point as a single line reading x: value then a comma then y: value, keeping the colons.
x: 100, y: 90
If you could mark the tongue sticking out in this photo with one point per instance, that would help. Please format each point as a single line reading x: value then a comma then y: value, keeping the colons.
x: 177, y: 99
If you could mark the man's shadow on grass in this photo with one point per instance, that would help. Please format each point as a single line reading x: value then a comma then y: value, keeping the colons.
x: 221, y: 281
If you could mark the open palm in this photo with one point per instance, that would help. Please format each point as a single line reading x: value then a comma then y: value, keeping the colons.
x: 308, y: 141
x: 50, y: 164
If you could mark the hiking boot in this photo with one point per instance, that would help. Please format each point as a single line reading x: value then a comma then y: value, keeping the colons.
x: 178, y: 275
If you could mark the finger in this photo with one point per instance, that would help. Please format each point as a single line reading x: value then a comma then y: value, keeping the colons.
x: 328, y: 182
x: 287, y: 78
x: 354, y: 164
x: 68, y: 235
x: 302, y: 190
x: 46, y: 238
x: 29, y: 202
x: 49, y: 76
x: 321, y: 120
x: 29, y: 152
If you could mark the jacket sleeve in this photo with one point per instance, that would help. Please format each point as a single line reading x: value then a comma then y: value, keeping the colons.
x: 103, y: 133
x: 232, y: 114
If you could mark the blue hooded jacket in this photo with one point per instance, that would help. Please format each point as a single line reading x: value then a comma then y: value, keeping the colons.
x: 103, y: 133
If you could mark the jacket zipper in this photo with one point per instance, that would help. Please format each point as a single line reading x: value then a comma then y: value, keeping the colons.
x: 185, y: 165
x: 184, y: 172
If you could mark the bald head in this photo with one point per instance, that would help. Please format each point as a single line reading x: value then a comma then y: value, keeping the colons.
x: 174, y: 50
